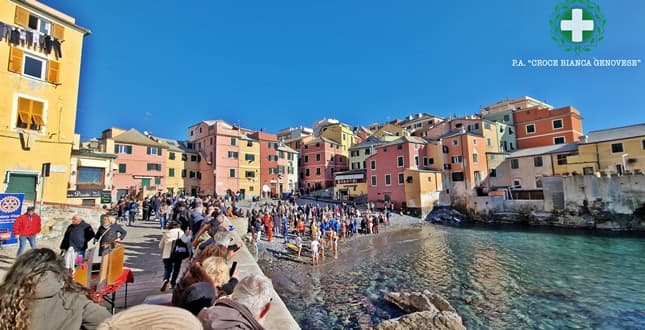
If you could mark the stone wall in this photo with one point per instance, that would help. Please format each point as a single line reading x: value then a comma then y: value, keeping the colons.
x: 56, y: 218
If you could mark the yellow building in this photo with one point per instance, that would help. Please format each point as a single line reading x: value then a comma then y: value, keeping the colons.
x: 174, y: 166
x: 341, y: 134
x: 422, y: 190
x: 610, y: 151
x: 90, y: 180
x: 390, y: 129
x: 350, y: 185
x: 249, y: 158
x: 38, y: 98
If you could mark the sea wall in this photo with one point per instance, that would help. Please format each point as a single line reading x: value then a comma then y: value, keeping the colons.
x: 614, y: 203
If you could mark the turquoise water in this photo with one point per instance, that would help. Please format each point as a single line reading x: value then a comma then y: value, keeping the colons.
x: 496, y: 279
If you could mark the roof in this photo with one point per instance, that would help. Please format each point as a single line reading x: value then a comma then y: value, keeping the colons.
x: 402, y: 139
x: 94, y: 154
x: 135, y: 137
x: 322, y: 139
x: 284, y: 147
x: 173, y: 145
x: 554, y: 149
x: 624, y: 132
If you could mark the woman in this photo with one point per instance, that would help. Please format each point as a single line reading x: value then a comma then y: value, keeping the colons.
x: 39, y: 293
x: 109, y: 234
x: 213, y: 270
x: 164, y: 213
x: 174, y: 249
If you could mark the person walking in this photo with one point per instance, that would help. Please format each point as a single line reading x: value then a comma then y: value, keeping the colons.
x: 26, y: 227
x: 174, y: 245
x: 108, y: 234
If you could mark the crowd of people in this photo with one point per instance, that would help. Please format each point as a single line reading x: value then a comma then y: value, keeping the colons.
x: 207, y: 289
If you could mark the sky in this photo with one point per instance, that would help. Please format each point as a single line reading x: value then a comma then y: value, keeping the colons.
x: 165, y: 65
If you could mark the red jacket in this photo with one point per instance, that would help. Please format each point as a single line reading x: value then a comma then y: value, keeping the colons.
x: 24, y: 227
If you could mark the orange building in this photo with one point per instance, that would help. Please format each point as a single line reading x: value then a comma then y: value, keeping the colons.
x: 537, y: 127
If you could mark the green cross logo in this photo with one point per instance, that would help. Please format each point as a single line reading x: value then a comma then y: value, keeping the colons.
x: 577, y: 25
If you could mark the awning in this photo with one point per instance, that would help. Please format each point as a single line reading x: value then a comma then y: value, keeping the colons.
x: 350, y: 177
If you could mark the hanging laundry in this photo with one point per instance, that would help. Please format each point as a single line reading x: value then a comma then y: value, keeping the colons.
x: 48, y: 45
x: 57, y: 49
x: 4, y: 30
x: 14, y: 37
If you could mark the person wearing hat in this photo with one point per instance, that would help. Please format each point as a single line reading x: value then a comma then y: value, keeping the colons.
x: 26, y: 227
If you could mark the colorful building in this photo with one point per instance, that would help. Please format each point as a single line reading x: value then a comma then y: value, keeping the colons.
x: 250, y: 159
x: 90, y: 180
x: 350, y: 185
x: 288, y: 158
x: 191, y: 159
x: 386, y: 170
x: 140, y: 163
x: 422, y: 190
x: 536, y: 127
x: 175, y: 166
x: 618, y: 150
x: 38, y: 99
x: 321, y: 158
x: 465, y: 163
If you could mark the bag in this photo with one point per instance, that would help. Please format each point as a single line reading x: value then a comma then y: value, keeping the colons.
x: 179, y: 249
x: 70, y: 258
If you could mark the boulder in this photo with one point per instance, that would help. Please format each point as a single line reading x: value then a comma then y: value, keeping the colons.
x: 428, y: 311
x: 423, y: 320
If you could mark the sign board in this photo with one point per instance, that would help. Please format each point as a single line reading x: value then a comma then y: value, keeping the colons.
x: 84, y: 193
x: 106, y: 197
x: 10, y: 209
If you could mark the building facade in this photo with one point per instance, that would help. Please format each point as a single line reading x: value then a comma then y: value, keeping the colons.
x: 38, y: 99
x: 536, y: 127
x: 90, y: 180
x: 250, y: 159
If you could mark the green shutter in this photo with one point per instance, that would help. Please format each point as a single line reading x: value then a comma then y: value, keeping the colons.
x: 122, y: 168
x: 171, y: 172
x: 148, y: 150
x: 157, y: 180
x: 116, y: 148
x: 159, y: 153
x: 171, y: 156
x: 23, y: 183
x: 129, y: 150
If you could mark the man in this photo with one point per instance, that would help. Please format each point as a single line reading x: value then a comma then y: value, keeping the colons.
x: 248, y: 305
x: 132, y: 212
x: 26, y: 227
x: 76, y: 237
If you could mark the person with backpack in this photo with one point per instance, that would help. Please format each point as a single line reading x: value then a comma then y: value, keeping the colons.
x: 174, y: 245
x: 132, y: 212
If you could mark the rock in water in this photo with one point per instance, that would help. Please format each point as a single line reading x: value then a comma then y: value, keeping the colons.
x: 424, y: 320
x: 411, y: 302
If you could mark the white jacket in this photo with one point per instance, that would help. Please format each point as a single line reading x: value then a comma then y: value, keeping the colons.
x: 167, y: 238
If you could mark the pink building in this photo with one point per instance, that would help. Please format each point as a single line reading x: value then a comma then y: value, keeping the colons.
x: 320, y: 159
x: 140, y: 166
x: 217, y: 143
x: 386, y: 166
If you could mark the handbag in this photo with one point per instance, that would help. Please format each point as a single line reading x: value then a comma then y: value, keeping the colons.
x: 179, y: 250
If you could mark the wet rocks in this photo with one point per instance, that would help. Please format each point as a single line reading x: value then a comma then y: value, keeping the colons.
x: 446, y: 215
x: 428, y: 311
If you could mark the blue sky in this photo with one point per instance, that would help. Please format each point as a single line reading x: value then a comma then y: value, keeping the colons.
x: 164, y: 65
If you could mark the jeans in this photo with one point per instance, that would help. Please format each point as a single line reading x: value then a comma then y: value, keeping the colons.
x: 162, y: 221
x: 171, y: 266
x: 23, y: 243
x: 131, y: 218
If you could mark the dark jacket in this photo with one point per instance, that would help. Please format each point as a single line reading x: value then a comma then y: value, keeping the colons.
x: 77, y: 236
x: 228, y: 314
x: 55, y: 308
x: 107, y: 237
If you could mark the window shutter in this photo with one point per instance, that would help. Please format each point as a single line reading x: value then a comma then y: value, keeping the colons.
x: 15, y: 60
x: 148, y: 150
x: 116, y: 148
x: 129, y: 150
x: 22, y: 17
x: 58, y: 31
x: 53, y: 72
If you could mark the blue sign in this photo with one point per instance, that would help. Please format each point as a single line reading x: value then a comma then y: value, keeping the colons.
x: 10, y: 208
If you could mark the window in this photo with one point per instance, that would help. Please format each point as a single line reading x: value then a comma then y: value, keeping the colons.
x: 249, y: 157
x: 643, y: 143
x: 233, y: 154
x: 478, y: 177
x: 30, y: 114
x: 507, y: 117
x: 399, y: 161
x: 317, y: 157
x: 493, y: 173
x: 317, y: 171
x: 154, y: 167
x: 231, y: 173
x: 559, y: 140
x: 416, y: 160
x: 90, y: 175
x: 183, y: 173
x: 515, y: 163
x: 33, y: 66
x: 171, y: 172
x: 617, y: 147
x: 373, y: 164
x: 249, y: 174
x: 456, y: 159
x: 538, y: 182
x: 587, y: 170
x: 191, y: 174
x: 249, y: 143
x: 530, y: 128
x: 455, y: 142
x: 157, y: 180
x: 306, y: 172
x: 557, y: 123
x: 430, y: 161
x: 488, y: 142
x: 401, y: 178
x: 510, y: 130
x: 122, y: 149
x: 145, y: 183
x: 233, y: 141
x: 122, y: 168
x: 388, y: 179
x: 306, y: 159
x: 475, y: 158
x: 399, y: 146
x: 198, y: 175
x: 447, y: 166
x: 445, y: 149
x: 367, y: 151
x: 537, y: 161
x: 373, y: 180
x: 193, y: 158
x: 517, y: 183
x: 458, y: 176
x: 562, y: 159
x: 211, y: 142
x: 171, y: 155
x: 184, y: 157
x: 154, y: 151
